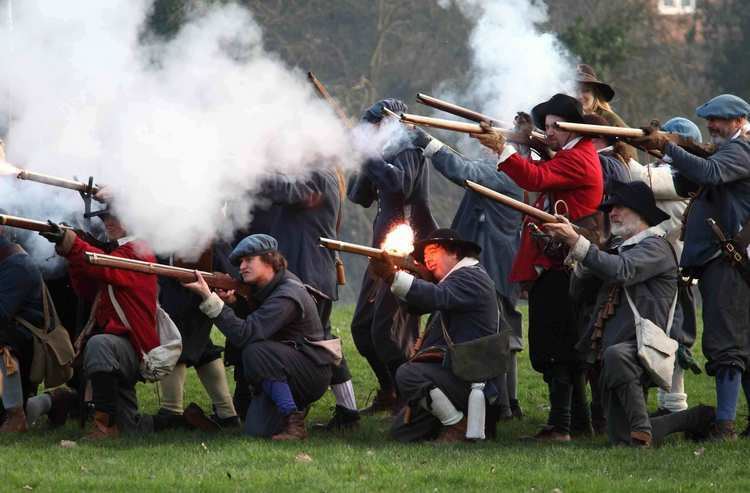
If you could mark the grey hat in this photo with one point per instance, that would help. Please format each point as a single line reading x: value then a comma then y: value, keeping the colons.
x: 684, y: 127
x: 724, y: 106
x: 252, y: 246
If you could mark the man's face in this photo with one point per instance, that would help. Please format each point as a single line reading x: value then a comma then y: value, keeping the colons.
x: 723, y: 129
x: 113, y: 227
x: 556, y: 138
x: 253, y: 270
x: 625, y: 222
x: 438, y: 260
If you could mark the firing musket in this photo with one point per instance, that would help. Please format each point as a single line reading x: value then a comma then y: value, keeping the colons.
x: 323, y: 93
x: 79, y: 186
x: 217, y: 280
x: 404, y: 262
x: 467, y: 128
x: 28, y: 224
x: 457, y: 110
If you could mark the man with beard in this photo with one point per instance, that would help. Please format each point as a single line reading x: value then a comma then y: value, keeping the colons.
x: 399, y: 182
x: 721, y: 184
x: 569, y: 183
x: 639, y: 278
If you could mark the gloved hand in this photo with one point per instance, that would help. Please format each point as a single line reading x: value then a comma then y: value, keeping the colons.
x: 420, y: 138
x: 523, y: 123
x: 56, y: 233
x: 654, y: 139
x: 490, y: 138
x: 383, y: 268
x: 686, y: 361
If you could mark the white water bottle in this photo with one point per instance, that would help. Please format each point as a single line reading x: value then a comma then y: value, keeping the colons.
x: 475, y: 420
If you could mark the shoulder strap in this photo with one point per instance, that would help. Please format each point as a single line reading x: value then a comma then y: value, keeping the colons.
x: 447, y: 338
x: 637, y: 315
x: 118, y: 308
x: 41, y: 333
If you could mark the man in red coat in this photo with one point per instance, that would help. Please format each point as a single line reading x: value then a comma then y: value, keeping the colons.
x: 113, y: 354
x: 569, y: 183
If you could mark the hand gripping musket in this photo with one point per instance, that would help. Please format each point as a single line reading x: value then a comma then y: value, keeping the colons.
x: 404, y: 262
x: 213, y: 279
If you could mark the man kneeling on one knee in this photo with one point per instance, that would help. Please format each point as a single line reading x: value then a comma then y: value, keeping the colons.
x: 286, y: 371
x: 463, y: 302
x: 643, y: 267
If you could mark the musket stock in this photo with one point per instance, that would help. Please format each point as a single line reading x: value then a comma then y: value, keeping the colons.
x: 457, y: 110
x: 467, y: 128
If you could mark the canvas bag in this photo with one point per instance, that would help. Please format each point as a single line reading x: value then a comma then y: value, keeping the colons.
x: 480, y: 359
x: 161, y: 360
x: 656, y: 350
x: 52, y: 360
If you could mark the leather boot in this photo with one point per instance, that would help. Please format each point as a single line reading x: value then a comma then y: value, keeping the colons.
x: 722, y: 431
x: 294, y: 428
x: 549, y: 434
x: 640, y: 439
x: 515, y: 409
x: 15, y: 421
x: 195, y: 417
x: 454, y: 433
x: 63, y: 401
x: 104, y: 428
x: 385, y: 400
x: 342, y: 419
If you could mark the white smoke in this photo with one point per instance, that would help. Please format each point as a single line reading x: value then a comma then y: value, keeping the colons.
x: 514, y: 64
x: 177, y: 128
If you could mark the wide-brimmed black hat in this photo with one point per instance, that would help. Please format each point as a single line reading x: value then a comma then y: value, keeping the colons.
x: 638, y: 197
x: 586, y: 75
x: 445, y: 236
x: 566, y: 107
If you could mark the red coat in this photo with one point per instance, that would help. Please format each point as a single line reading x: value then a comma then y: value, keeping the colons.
x: 574, y: 176
x: 135, y: 292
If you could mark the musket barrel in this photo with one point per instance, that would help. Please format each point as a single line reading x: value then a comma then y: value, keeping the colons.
x: 457, y: 110
x: 454, y: 126
x: 56, y: 182
x: 343, y: 246
x: 24, y: 223
x: 584, y: 128
x: 527, y: 209
x: 323, y: 93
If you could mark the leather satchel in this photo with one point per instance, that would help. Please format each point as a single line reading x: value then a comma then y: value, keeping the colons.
x: 480, y: 359
x: 656, y: 350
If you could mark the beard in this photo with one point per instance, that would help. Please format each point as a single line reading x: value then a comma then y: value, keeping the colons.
x: 625, y: 229
x: 717, y: 139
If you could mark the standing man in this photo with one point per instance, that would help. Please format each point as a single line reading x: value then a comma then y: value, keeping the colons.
x: 640, y: 276
x: 286, y: 369
x: 571, y: 182
x: 399, y: 182
x: 20, y: 296
x: 721, y: 183
x: 496, y: 229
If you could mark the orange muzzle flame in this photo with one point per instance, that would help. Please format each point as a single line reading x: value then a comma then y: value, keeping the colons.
x: 399, y: 241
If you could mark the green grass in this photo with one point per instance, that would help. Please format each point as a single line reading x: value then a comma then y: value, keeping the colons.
x: 366, y: 460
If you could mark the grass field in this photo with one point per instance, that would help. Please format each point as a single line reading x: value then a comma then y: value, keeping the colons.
x: 366, y: 460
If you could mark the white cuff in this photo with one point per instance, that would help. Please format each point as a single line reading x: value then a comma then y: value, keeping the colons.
x: 212, y: 306
x: 434, y: 146
x: 580, y: 249
x: 401, y: 284
x: 508, y: 151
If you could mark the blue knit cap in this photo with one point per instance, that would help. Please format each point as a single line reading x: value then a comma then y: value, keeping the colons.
x: 374, y: 113
x: 252, y: 246
x: 725, y: 106
x: 684, y: 127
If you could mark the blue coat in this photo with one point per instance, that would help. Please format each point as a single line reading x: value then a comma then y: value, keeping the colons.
x: 493, y: 226
x: 725, y: 178
x: 20, y: 296
x: 302, y: 211
x: 398, y: 181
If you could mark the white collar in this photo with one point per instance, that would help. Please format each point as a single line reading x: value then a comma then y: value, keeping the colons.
x: 738, y: 133
x: 125, y: 239
x: 606, y: 149
x: 572, y: 143
x: 646, y: 233
x: 464, y: 262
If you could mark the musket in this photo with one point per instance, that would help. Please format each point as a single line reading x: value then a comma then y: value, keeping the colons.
x: 54, y: 181
x: 29, y: 224
x: 404, y: 262
x: 213, y: 279
x: 323, y: 93
x: 457, y: 110
x: 468, y: 128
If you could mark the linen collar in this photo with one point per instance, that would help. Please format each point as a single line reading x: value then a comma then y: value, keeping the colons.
x: 646, y: 233
x: 464, y: 262
x: 125, y: 239
x: 571, y: 144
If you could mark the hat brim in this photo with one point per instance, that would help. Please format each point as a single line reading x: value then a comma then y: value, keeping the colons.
x: 236, y: 258
x: 652, y: 215
x: 469, y: 247
x: 607, y: 93
x: 539, y: 113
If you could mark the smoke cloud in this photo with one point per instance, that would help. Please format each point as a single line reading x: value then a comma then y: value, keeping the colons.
x: 178, y: 128
x: 514, y: 64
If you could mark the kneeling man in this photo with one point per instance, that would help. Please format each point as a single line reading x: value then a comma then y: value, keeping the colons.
x: 286, y: 370
x: 644, y: 268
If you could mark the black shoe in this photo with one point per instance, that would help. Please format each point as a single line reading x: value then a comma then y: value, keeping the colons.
x: 228, y: 423
x: 385, y: 400
x: 660, y: 412
x: 196, y: 418
x: 168, y: 420
x: 515, y: 409
x: 342, y: 419
x: 701, y: 423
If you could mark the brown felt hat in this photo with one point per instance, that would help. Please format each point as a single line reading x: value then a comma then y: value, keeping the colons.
x: 586, y: 75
